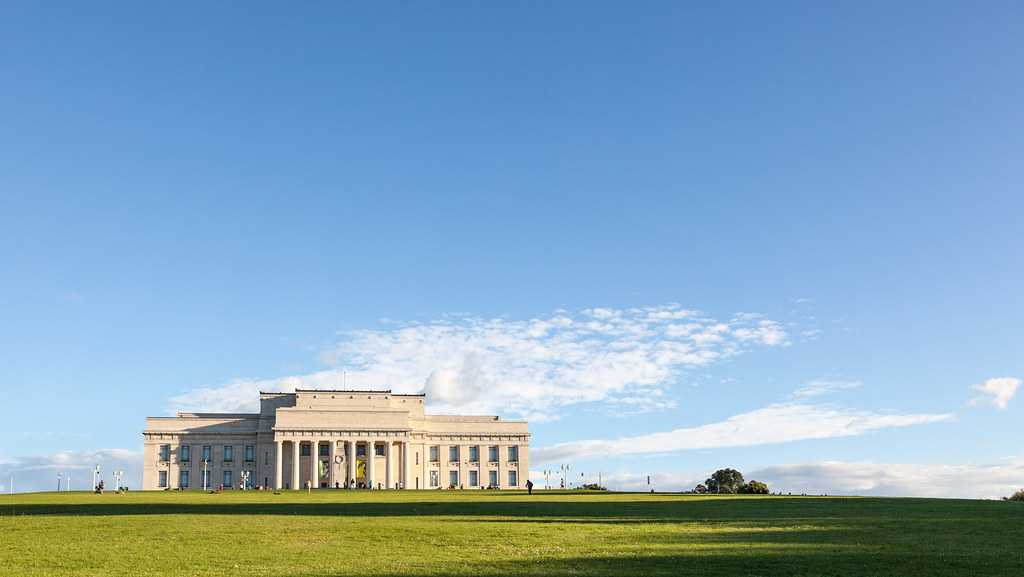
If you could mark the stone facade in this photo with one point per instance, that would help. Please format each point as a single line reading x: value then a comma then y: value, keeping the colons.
x: 336, y: 439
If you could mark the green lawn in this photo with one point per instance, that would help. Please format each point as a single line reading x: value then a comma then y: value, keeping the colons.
x: 335, y: 533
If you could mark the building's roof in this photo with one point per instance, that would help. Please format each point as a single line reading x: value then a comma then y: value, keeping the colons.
x: 347, y: 391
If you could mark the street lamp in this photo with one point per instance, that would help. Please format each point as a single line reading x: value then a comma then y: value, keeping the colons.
x: 206, y: 477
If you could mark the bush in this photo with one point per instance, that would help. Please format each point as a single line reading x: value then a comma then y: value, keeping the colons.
x: 754, y: 488
x: 1018, y: 496
x: 593, y: 487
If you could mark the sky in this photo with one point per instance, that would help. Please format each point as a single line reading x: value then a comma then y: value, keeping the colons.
x: 779, y: 237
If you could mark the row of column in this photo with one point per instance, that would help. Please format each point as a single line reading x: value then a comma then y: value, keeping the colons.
x: 350, y: 458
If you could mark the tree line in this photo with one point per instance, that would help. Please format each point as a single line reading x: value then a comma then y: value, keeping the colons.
x: 731, y: 481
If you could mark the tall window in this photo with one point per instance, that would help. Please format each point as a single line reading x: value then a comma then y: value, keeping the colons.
x: 165, y: 452
x: 513, y: 479
x: 474, y: 454
x: 435, y: 454
x: 378, y: 450
x: 513, y: 454
x: 207, y: 453
x: 227, y: 479
x: 433, y: 479
x: 229, y: 453
x: 453, y: 478
x: 183, y: 480
x: 492, y: 454
x: 453, y: 453
x: 360, y: 450
x: 250, y: 453
x: 492, y: 478
x: 186, y: 453
x: 325, y: 450
x: 474, y: 479
x: 304, y: 450
x: 162, y: 481
x: 417, y: 457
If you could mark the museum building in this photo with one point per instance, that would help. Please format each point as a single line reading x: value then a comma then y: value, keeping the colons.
x: 320, y: 439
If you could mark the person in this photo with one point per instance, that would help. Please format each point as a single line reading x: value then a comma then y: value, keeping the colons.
x: 529, y: 487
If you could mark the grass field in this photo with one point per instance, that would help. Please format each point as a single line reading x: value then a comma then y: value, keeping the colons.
x: 338, y: 533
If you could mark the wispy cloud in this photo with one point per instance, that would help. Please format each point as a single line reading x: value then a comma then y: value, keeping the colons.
x: 39, y: 472
x: 530, y: 368
x: 999, y: 391
x: 985, y: 481
x: 824, y: 386
x: 778, y: 423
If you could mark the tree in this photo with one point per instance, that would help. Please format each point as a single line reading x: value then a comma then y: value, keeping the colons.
x: 1018, y: 496
x: 755, y: 488
x: 700, y: 488
x: 725, y: 481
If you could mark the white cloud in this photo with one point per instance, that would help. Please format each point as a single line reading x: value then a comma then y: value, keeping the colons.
x: 999, y: 391
x: 39, y: 472
x: 530, y: 368
x: 987, y: 481
x: 824, y: 386
x: 778, y: 423
x: 971, y: 481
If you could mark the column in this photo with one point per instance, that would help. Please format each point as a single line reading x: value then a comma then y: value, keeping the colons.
x: 405, y: 465
x: 314, y: 460
x: 279, y: 468
x: 330, y: 468
x: 388, y: 477
x: 370, y: 457
x: 295, y: 465
x: 351, y: 447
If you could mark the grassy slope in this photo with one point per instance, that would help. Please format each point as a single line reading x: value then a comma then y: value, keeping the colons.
x: 503, y: 533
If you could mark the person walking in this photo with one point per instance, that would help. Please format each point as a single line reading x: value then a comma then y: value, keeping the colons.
x: 529, y: 487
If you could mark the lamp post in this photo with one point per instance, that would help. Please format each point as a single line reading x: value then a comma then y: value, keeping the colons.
x: 59, y: 475
x: 206, y: 478
x: 95, y: 473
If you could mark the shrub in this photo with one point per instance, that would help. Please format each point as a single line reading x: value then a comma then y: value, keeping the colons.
x: 755, y: 488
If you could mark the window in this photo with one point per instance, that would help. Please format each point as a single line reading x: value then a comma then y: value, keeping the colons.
x: 513, y: 454
x: 304, y: 450
x: 162, y: 482
x: 433, y: 479
x: 165, y: 452
x: 229, y: 453
x: 492, y: 478
x: 513, y: 479
x: 492, y: 454
x: 453, y: 478
x: 474, y: 478
x: 207, y: 453
x: 266, y: 459
x: 378, y: 450
x: 227, y: 479
x: 325, y: 450
x: 474, y: 454
x: 186, y: 453
x: 360, y: 450
x: 250, y: 453
x: 435, y: 454
x: 453, y: 453
x: 183, y: 480
x: 417, y: 457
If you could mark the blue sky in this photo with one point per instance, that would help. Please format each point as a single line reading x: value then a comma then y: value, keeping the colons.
x: 519, y: 208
